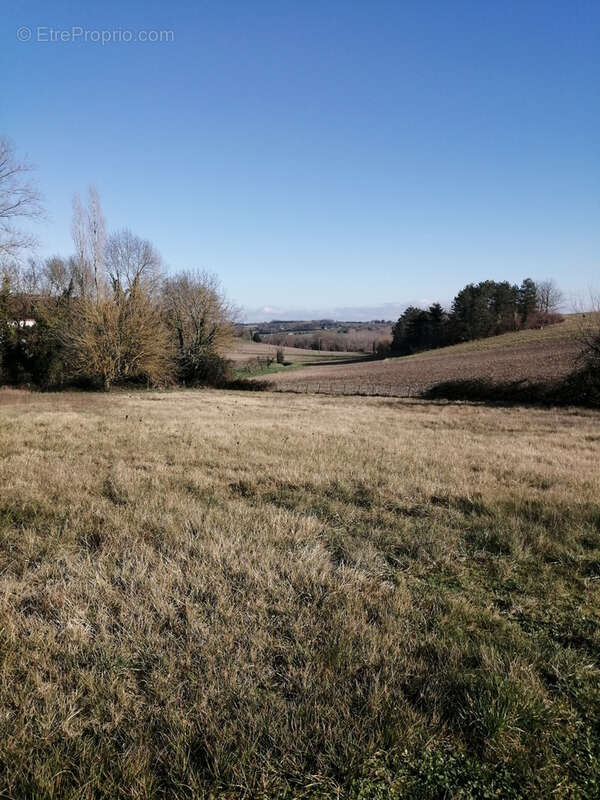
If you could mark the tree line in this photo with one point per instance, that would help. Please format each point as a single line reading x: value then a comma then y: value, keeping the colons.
x: 106, y: 314
x: 479, y: 310
x: 347, y: 340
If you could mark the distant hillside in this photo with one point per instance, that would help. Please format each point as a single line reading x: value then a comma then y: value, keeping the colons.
x: 244, y: 351
x: 562, y: 332
x: 322, y: 334
x: 529, y: 355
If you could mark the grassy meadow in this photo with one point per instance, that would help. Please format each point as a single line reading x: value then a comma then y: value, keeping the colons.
x: 221, y: 594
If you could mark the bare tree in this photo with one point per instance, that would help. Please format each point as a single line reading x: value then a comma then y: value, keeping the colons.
x: 57, y: 273
x: 199, y: 317
x: 19, y: 200
x: 79, y: 234
x: 42, y: 277
x: 97, y: 238
x: 549, y: 297
x: 130, y: 260
x: 30, y: 278
x: 89, y: 237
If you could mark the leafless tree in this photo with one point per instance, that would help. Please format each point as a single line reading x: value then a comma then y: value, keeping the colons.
x: 549, y: 297
x: 30, y: 277
x: 19, y: 201
x: 130, y: 260
x: 198, y: 314
x: 79, y: 234
x: 89, y: 237
x: 97, y: 238
x: 43, y: 277
x: 58, y: 273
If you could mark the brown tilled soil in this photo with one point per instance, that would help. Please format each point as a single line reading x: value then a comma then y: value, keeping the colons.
x: 534, y: 362
x: 243, y: 351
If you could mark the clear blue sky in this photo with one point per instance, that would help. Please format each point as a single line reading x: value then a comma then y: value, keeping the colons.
x: 323, y: 154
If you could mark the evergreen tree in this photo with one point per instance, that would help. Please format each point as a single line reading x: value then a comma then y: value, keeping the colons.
x: 505, y: 307
x: 527, y: 299
x: 487, y: 308
x: 437, y: 321
x: 403, y: 331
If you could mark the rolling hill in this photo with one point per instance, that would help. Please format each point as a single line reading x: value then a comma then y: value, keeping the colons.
x: 529, y: 355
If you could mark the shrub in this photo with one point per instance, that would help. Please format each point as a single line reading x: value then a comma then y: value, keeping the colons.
x: 484, y: 390
x: 580, y: 388
x: 207, y: 369
x: 243, y: 384
x: 541, y: 319
x: 116, y: 339
x: 583, y: 387
x: 383, y: 348
x: 31, y: 353
x: 589, y: 337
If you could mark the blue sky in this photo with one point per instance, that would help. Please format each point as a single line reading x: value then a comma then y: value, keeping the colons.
x: 323, y: 155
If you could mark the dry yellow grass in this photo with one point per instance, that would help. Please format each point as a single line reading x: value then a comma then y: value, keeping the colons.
x: 271, y: 595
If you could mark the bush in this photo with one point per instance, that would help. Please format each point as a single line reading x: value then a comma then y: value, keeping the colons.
x: 32, y: 354
x: 245, y: 385
x: 116, y: 339
x: 589, y: 338
x: 583, y: 387
x: 484, y: 390
x: 207, y: 369
x: 580, y: 388
x: 383, y: 348
x: 541, y: 319
x: 211, y: 369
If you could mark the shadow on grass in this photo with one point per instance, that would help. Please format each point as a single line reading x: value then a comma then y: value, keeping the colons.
x: 580, y: 388
x: 246, y: 385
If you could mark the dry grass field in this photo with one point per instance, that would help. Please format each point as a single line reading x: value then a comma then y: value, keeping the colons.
x: 221, y: 594
x: 532, y: 355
